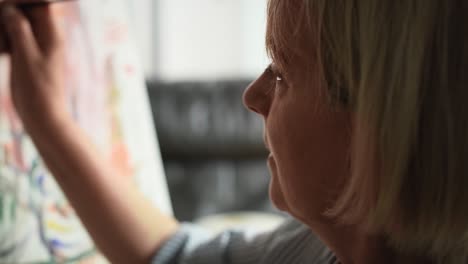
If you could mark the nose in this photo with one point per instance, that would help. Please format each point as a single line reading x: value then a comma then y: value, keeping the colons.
x: 257, y: 97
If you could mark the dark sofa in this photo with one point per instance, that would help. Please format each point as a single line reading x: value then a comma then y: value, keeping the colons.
x: 212, y: 148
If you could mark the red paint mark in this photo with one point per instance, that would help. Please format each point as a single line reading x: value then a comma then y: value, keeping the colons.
x: 129, y: 69
x: 63, y: 210
x: 116, y: 33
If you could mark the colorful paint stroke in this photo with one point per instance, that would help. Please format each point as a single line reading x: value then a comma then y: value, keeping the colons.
x: 107, y: 97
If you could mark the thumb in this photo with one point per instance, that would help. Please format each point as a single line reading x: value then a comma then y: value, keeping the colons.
x: 19, y: 34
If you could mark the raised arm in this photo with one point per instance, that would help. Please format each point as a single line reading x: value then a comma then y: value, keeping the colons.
x: 123, y: 223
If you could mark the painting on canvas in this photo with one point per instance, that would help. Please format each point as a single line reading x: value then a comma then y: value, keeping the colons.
x: 107, y: 97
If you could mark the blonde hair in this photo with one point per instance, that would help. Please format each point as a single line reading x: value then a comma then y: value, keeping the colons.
x: 401, y: 67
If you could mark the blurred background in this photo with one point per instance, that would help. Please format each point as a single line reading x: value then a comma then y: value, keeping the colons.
x: 198, y: 58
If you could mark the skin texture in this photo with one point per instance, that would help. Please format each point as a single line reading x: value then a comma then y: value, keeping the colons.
x: 309, y: 143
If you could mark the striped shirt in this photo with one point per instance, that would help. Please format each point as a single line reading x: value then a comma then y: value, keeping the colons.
x: 291, y: 243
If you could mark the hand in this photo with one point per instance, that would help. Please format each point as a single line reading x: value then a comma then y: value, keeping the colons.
x: 37, y: 64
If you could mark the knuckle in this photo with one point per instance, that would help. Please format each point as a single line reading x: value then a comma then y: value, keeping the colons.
x: 19, y: 21
x: 19, y: 26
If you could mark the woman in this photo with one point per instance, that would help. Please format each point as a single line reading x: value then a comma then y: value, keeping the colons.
x: 366, y: 120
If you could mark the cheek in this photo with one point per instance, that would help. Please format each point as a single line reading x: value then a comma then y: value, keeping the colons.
x: 310, y: 151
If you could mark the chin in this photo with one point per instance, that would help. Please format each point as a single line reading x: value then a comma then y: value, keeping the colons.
x: 276, y: 196
x: 304, y: 214
x: 276, y: 193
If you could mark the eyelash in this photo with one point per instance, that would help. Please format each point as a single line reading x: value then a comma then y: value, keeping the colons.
x: 278, y: 77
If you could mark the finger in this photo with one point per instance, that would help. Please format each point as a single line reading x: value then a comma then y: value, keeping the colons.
x: 45, y: 27
x: 19, y: 34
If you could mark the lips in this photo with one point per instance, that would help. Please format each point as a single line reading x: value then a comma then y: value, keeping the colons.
x: 271, y: 159
x: 271, y: 164
x: 266, y: 142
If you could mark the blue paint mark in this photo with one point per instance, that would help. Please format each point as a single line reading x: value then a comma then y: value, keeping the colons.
x: 57, y: 244
x: 40, y: 183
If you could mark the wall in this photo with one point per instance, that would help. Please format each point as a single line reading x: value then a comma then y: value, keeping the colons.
x: 208, y: 39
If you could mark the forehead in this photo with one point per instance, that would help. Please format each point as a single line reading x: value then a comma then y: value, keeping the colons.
x: 290, y: 35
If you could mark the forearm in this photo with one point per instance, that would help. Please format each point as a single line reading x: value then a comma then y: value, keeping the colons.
x: 124, y: 224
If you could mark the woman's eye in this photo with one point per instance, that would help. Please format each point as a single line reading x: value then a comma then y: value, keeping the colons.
x: 276, y: 76
x: 276, y: 73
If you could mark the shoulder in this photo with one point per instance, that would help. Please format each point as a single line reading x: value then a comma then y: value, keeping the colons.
x: 294, y: 242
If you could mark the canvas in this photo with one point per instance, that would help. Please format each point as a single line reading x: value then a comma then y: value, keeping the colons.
x: 108, y: 98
